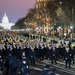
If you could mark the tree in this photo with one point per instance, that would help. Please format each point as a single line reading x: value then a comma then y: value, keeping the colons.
x: 19, y: 24
x: 1, y: 27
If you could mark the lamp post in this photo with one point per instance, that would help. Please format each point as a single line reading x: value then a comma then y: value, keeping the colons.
x: 59, y: 30
x: 71, y: 27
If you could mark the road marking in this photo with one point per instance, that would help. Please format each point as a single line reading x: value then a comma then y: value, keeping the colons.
x: 61, y: 68
x: 35, y: 68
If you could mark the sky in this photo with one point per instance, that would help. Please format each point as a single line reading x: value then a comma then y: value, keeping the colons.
x: 15, y: 9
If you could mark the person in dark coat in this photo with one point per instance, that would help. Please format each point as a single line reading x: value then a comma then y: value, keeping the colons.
x: 1, y: 65
x: 42, y: 52
x: 67, y: 57
x: 19, y: 52
x: 53, y: 55
x: 72, y: 54
x: 49, y: 50
x: 24, y: 65
x: 45, y: 70
x: 13, y: 64
x: 46, y: 52
x: 36, y: 49
x: 1, y: 51
x: 32, y: 56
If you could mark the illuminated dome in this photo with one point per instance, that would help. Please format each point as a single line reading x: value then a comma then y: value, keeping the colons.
x: 5, y: 19
x: 5, y: 23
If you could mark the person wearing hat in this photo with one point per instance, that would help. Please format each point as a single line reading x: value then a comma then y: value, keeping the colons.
x: 53, y: 55
x: 36, y: 49
x: 72, y: 53
x: 24, y: 65
x: 52, y: 71
x: 1, y: 65
x: 13, y: 64
x: 45, y: 70
x: 67, y: 57
x: 32, y: 56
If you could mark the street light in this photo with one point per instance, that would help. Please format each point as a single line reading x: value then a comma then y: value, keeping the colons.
x: 51, y: 28
x: 71, y: 27
x: 59, y: 27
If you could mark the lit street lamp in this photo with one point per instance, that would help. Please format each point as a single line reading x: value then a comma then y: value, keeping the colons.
x: 71, y: 27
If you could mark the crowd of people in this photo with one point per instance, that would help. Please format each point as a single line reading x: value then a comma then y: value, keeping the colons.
x: 16, y: 57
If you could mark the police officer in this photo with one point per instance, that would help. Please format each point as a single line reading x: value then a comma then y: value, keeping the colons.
x: 24, y: 65
x: 72, y: 54
x: 67, y: 57
x: 45, y: 70
x: 1, y: 65
x: 13, y: 64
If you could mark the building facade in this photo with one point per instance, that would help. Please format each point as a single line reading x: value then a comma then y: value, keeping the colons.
x: 5, y: 23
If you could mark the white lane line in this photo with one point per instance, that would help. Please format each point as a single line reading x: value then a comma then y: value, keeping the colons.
x: 63, y: 68
x: 38, y: 69
x: 73, y: 66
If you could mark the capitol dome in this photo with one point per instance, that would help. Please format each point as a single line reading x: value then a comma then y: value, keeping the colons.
x: 5, y: 23
x: 5, y: 19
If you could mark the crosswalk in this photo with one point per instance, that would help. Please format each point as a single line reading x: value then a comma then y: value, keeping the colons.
x: 60, y: 67
x: 35, y: 68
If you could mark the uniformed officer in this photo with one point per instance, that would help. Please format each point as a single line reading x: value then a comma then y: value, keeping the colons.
x: 42, y: 52
x: 67, y: 57
x: 46, y: 51
x: 53, y: 55
x: 1, y: 65
x: 45, y: 70
x: 72, y: 54
x: 32, y: 56
x: 24, y: 65
x: 49, y: 50
x: 1, y: 51
x: 13, y: 64
x: 19, y: 52
x: 36, y: 49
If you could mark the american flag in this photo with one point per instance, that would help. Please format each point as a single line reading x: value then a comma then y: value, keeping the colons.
x: 69, y: 30
x: 58, y: 30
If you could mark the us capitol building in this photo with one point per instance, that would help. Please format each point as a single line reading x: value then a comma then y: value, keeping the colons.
x: 5, y: 23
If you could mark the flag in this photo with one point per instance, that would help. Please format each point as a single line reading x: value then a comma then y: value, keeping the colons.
x: 69, y: 31
x: 58, y: 30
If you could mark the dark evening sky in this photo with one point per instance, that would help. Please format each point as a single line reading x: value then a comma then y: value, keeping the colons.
x: 15, y: 9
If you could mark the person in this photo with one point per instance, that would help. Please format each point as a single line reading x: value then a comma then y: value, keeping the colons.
x: 72, y: 54
x: 32, y: 56
x: 1, y: 65
x: 49, y: 52
x: 52, y: 71
x: 45, y: 70
x: 24, y: 65
x: 36, y: 49
x: 67, y: 57
x: 53, y: 55
x: 13, y: 64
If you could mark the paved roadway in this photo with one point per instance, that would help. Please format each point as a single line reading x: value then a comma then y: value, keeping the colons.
x: 60, y: 68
